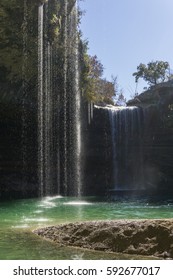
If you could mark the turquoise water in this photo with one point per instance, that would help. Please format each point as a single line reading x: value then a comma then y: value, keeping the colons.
x: 19, y: 218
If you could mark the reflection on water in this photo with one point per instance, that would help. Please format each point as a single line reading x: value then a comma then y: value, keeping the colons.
x: 19, y: 218
x: 76, y: 203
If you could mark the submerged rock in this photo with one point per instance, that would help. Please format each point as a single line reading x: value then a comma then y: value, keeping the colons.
x: 139, y: 237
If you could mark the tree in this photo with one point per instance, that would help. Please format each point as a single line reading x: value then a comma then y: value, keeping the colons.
x: 153, y: 73
x: 97, y: 89
x: 121, y: 101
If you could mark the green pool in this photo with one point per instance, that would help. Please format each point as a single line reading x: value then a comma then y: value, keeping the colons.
x: 18, y: 219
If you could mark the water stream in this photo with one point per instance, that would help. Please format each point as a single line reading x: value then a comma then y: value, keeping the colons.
x: 40, y: 102
x: 127, y: 158
x: 77, y: 113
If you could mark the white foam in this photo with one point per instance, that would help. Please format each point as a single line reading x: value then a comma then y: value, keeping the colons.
x: 36, y: 220
x: 20, y: 226
x: 52, y: 197
x: 76, y: 203
x: 115, y: 108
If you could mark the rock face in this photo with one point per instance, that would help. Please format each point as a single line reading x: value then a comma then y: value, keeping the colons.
x: 97, y: 154
x: 141, y: 237
x: 157, y: 104
x: 18, y: 150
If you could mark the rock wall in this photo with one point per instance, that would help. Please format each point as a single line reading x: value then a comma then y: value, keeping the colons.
x: 157, y: 103
x: 97, y: 164
x: 18, y: 150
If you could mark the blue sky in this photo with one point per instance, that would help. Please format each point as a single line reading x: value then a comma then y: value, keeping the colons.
x: 124, y: 33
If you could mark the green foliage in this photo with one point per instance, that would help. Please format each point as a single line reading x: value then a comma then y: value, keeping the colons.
x: 153, y: 73
x: 97, y: 89
x: 15, y: 31
x: 19, y: 47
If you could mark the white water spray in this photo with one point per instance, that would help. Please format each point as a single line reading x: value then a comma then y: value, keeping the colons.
x: 127, y: 154
x: 40, y: 103
x: 65, y: 94
x: 77, y: 106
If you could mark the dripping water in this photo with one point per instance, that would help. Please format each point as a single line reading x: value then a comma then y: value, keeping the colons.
x: 48, y: 121
x: 68, y: 144
x: 48, y: 109
x: 114, y: 133
x: 74, y: 184
x: 24, y: 90
x: 77, y: 114
x: 40, y: 103
x: 90, y: 111
x: 65, y: 96
x: 127, y: 155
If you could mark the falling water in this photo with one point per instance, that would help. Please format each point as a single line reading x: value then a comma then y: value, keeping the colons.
x: 45, y: 104
x: 114, y: 132
x: 90, y: 111
x: 48, y: 132
x: 74, y: 103
x: 127, y: 157
x: 77, y: 115
x: 24, y: 89
x: 40, y: 103
x: 65, y: 95
x: 61, y: 111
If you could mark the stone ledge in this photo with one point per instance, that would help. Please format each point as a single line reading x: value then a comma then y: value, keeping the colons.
x: 139, y: 237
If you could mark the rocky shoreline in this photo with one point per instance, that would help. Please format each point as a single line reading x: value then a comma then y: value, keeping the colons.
x: 139, y: 237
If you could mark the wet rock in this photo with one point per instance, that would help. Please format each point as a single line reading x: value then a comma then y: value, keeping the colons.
x: 143, y: 237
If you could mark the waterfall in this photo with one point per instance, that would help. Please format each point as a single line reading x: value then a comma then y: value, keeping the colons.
x: 59, y: 112
x: 90, y: 111
x: 45, y: 105
x: 48, y: 120
x: 24, y: 89
x: 77, y: 113
x: 40, y: 103
x: 114, y: 133
x: 65, y: 144
x: 74, y: 106
x: 127, y: 157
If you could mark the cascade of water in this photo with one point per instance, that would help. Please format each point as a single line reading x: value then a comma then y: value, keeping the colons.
x: 77, y: 114
x: 24, y: 89
x: 48, y: 132
x: 45, y: 105
x: 65, y: 96
x: 56, y: 121
x: 59, y: 110
x: 114, y: 134
x: 90, y: 111
x: 126, y: 135
x: 40, y: 103
x: 74, y: 103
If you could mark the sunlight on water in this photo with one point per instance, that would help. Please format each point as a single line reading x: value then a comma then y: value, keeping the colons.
x: 21, y: 226
x: 36, y: 220
x: 76, y: 203
x: 52, y: 197
x: 38, y: 211
x: 47, y: 204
